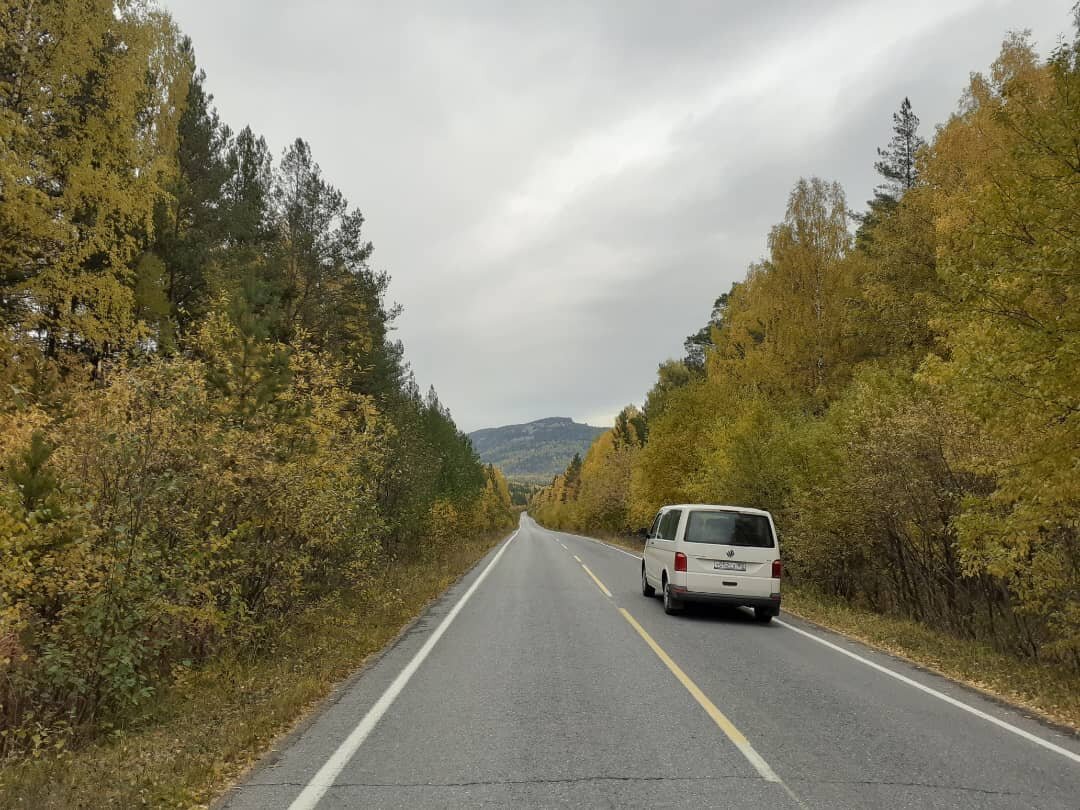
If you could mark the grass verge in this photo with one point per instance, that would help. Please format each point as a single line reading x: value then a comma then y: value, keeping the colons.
x: 1045, y: 691
x: 215, y: 722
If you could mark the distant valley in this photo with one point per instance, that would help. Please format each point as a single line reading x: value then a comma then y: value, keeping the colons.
x: 535, y: 451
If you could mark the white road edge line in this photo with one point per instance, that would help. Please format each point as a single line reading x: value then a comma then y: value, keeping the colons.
x: 614, y: 548
x: 324, y: 779
x: 1027, y: 735
x: 605, y: 545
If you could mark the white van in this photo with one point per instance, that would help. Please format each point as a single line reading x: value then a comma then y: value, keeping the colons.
x: 720, y: 554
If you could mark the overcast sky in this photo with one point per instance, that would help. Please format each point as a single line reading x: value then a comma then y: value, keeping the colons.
x: 561, y: 189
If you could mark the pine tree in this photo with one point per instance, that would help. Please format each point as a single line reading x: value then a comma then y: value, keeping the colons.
x: 30, y: 473
x: 897, y: 164
x: 328, y: 288
x: 248, y: 191
x: 244, y: 364
x: 189, y: 225
x: 458, y: 469
x: 572, y: 478
x: 697, y: 344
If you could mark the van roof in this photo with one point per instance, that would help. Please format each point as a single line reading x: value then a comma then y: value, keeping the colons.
x: 716, y: 508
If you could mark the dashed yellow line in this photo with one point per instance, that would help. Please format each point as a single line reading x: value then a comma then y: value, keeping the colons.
x: 718, y: 717
x: 599, y: 584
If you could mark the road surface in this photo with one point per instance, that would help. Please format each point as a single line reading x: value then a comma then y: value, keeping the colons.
x: 546, y: 679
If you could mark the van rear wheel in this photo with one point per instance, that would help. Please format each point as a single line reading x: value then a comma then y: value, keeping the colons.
x: 671, y: 604
x: 646, y: 588
x: 763, y: 615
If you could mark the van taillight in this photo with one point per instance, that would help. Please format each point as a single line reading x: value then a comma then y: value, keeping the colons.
x: 777, y: 569
x: 680, y: 561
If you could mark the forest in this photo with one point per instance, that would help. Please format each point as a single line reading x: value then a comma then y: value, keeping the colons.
x: 900, y: 386
x: 206, y: 424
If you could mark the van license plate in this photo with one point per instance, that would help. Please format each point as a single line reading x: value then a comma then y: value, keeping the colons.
x: 728, y: 565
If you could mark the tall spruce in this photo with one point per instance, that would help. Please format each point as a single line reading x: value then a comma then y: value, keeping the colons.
x: 897, y: 165
x: 190, y: 222
x: 697, y: 344
x: 572, y: 478
x: 328, y: 288
x: 248, y: 190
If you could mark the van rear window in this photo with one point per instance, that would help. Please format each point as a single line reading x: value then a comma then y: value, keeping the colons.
x: 729, y: 529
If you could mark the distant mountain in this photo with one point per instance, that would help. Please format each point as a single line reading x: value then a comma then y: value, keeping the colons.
x: 535, y: 451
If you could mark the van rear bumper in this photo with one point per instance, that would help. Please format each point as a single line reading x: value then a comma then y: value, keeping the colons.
x: 683, y: 595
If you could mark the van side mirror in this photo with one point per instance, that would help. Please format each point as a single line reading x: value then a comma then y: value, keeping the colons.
x: 643, y: 534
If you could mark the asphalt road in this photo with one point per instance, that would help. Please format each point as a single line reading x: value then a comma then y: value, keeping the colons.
x: 543, y: 690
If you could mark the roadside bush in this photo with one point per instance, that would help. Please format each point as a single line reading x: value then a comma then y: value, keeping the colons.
x: 158, y: 522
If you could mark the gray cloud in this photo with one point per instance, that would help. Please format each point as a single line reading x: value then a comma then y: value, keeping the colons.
x: 560, y: 190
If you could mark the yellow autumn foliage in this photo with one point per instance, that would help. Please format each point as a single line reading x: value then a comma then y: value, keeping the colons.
x: 205, y: 426
x: 907, y: 403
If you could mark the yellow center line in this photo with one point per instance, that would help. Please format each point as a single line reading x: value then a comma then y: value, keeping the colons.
x: 576, y: 557
x: 733, y: 734
x: 718, y: 716
x: 599, y: 584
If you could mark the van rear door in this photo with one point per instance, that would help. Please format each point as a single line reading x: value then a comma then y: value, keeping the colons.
x: 730, y: 552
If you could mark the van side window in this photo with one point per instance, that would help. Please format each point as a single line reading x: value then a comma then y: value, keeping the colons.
x: 669, y: 524
x: 655, y: 525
